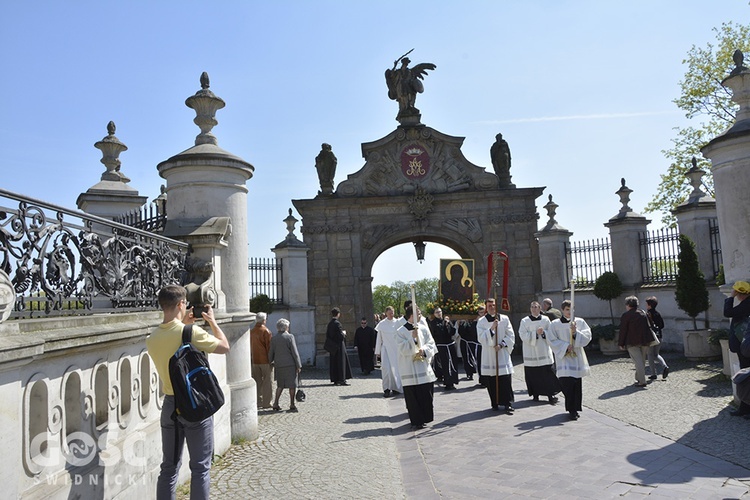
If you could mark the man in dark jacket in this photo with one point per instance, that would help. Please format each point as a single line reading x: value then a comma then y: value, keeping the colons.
x: 739, y: 314
x: 635, y: 336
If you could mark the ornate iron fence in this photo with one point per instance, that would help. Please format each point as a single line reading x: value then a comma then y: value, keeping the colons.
x: 659, y: 250
x: 587, y: 260
x: 266, y: 278
x: 151, y: 218
x: 713, y: 234
x: 61, y: 261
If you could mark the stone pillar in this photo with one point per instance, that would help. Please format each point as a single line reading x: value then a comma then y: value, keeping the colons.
x: 693, y: 217
x: 293, y: 255
x: 111, y: 196
x: 206, y: 195
x: 625, y: 229
x: 294, y: 265
x: 730, y: 164
x: 553, y: 241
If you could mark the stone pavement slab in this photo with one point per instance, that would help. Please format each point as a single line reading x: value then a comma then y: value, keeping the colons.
x: 673, y: 439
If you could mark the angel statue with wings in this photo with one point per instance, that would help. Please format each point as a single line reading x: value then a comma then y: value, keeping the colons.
x: 404, y: 84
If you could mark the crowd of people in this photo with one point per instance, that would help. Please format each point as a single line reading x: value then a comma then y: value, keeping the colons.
x: 415, y: 353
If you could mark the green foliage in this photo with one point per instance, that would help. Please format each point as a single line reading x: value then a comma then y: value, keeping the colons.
x: 716, y: 335
x: 261, y: 303
x: 663, y: 268
x: 395, y: 294
x: 720, y: 278
x: 607, y: 287
x: 701, y: 96
x: 604, y: 332
x: 690, y: 293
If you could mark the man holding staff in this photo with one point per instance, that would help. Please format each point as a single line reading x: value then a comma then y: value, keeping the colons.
x: 416, y: 348
x: 497, y: 338
x: 568, y: 336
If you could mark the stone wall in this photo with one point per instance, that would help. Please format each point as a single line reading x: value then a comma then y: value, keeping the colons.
x: 81, y: 407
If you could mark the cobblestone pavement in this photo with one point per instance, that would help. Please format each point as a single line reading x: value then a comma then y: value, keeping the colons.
x: 674, y: 439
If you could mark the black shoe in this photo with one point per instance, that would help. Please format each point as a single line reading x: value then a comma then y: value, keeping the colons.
x: 665, y: 373
x: 469, y: 377
x: 653, y: 377
x: 386, y: 393
x: 574, y: 415
x: 536, y: 398
x: 553, y: 400
x: 344, y: 383
x: 509, y: 410
x: 495, y: 408
x: 450, y: 387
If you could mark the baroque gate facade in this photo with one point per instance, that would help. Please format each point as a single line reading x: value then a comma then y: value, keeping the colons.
x: 416, y: 185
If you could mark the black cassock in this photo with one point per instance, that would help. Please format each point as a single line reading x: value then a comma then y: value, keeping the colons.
x: 364, y: 341
x: 471, y: 349
x: 338, y: 365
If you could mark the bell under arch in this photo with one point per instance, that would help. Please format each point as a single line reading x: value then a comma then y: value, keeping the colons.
x: 415, y: 184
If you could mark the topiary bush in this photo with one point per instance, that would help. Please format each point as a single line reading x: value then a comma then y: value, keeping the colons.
x: 690, y: 292
x: 608, y: 287
x: 261, y: 303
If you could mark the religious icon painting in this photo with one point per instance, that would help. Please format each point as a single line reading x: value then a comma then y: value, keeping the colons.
x: 457, y: 279
x: 415, y: 162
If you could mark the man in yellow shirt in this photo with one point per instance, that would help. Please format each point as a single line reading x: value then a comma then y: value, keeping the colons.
x: 161, y: 345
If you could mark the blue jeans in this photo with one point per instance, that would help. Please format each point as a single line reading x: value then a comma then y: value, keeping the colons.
x: 200, y: 442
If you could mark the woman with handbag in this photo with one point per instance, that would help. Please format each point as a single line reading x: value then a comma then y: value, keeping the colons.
x: 635, y: 336
x: 286, y: 363
x: 656, y: 323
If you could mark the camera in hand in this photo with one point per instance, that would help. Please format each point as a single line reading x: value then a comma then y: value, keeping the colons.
x: 198, y: 310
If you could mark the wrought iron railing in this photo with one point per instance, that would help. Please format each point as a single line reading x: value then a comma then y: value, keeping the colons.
x: 266, y: 278
x: 587, y: 260
x: 61, y: 261
x: 659, y: 250
x: 151, y: 218
x: 713, y: 234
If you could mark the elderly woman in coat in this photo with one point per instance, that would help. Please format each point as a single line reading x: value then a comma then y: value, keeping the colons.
x: 285, y: 359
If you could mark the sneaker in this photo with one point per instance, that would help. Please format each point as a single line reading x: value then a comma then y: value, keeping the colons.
x: 665, y: 373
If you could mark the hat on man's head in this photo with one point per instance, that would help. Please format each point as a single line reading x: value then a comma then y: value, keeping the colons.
x: 742, y: 287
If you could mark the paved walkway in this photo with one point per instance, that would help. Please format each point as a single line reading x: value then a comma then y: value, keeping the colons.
x: 674, y: 439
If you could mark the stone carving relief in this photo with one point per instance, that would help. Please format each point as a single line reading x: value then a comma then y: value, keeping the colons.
x: 328, y: 228
x: 467, y: 226
x: 420, y: 205
x: 411, y: 156
x: 517, y: 217
x: 378, y: 233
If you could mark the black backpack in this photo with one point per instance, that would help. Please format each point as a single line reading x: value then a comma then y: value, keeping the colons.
x: 197, y: 394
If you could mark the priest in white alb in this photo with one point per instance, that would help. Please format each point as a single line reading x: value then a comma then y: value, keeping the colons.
x: 386, y: 349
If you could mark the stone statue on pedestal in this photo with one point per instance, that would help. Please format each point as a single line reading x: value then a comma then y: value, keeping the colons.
x: 404, y: 84
x: 500, y: 154
x: 325, y: 163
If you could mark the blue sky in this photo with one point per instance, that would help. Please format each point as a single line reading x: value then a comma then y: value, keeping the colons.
x: 581, y: 90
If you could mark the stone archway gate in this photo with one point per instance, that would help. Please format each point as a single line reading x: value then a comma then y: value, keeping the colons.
x: 415, y: 185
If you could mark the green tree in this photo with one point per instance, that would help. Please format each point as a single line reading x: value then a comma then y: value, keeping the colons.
x: 398, y: 292
x: 703, y: 98
x: 690, y: 292
x: 608, y: 287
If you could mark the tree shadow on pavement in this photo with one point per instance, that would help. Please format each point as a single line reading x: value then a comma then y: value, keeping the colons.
x: 623, y: 391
